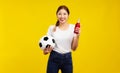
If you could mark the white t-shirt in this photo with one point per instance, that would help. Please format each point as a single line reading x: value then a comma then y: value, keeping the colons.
x: 63, y: 38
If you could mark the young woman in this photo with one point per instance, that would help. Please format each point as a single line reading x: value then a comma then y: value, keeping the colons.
x: 65, y: 39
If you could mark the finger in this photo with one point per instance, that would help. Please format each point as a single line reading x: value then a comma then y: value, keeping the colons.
x: 46, y: 50
x: 50, y: 49
x: 47, y: 46
x: 78, y: 29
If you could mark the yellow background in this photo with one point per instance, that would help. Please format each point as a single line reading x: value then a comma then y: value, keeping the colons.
x: 23, y: 22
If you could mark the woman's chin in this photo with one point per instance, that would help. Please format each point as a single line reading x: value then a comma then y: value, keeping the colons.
x: 62, y: 22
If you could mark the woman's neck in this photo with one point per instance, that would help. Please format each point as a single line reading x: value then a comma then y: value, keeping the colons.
x: 63, y: 26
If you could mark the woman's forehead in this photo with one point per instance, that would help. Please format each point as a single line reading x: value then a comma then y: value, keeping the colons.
x: 62, y: 10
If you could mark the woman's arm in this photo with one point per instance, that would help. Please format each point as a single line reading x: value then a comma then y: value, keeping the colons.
x: 75, y: 41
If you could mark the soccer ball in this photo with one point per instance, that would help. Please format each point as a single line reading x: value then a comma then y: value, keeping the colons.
x: 45, y: 41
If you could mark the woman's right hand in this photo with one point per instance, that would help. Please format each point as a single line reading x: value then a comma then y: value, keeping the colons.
x: 47, y: 50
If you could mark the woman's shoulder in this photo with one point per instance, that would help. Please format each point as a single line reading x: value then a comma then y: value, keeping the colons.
x: 72, y: 25
x: 51, y: 26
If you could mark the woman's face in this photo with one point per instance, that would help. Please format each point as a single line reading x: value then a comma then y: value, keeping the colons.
x: 62, y: 16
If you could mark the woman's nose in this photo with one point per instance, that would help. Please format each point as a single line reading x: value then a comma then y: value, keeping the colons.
x: 62, y: 15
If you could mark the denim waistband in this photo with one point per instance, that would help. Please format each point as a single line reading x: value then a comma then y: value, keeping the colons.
x: 64, y: 54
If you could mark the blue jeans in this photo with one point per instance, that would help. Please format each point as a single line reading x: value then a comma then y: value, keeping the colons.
x: 60, y: 61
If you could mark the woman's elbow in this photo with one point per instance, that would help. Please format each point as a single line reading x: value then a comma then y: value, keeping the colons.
x: 74, y: 48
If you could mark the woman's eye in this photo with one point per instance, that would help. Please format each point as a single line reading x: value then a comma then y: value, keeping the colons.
x: 59, y: 13
x: 64, y: 13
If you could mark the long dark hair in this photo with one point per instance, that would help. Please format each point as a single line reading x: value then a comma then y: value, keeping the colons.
x: 59, y: 8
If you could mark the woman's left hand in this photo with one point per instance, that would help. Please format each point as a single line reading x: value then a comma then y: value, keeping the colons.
x: 78, y: 31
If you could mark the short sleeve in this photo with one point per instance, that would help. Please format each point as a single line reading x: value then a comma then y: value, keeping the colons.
x: 50, y: 30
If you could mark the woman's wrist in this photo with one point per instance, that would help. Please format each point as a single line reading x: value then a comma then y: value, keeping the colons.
x: 76, y: 35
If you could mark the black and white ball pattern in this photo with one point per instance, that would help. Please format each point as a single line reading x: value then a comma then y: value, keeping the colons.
x: 45, y: 41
